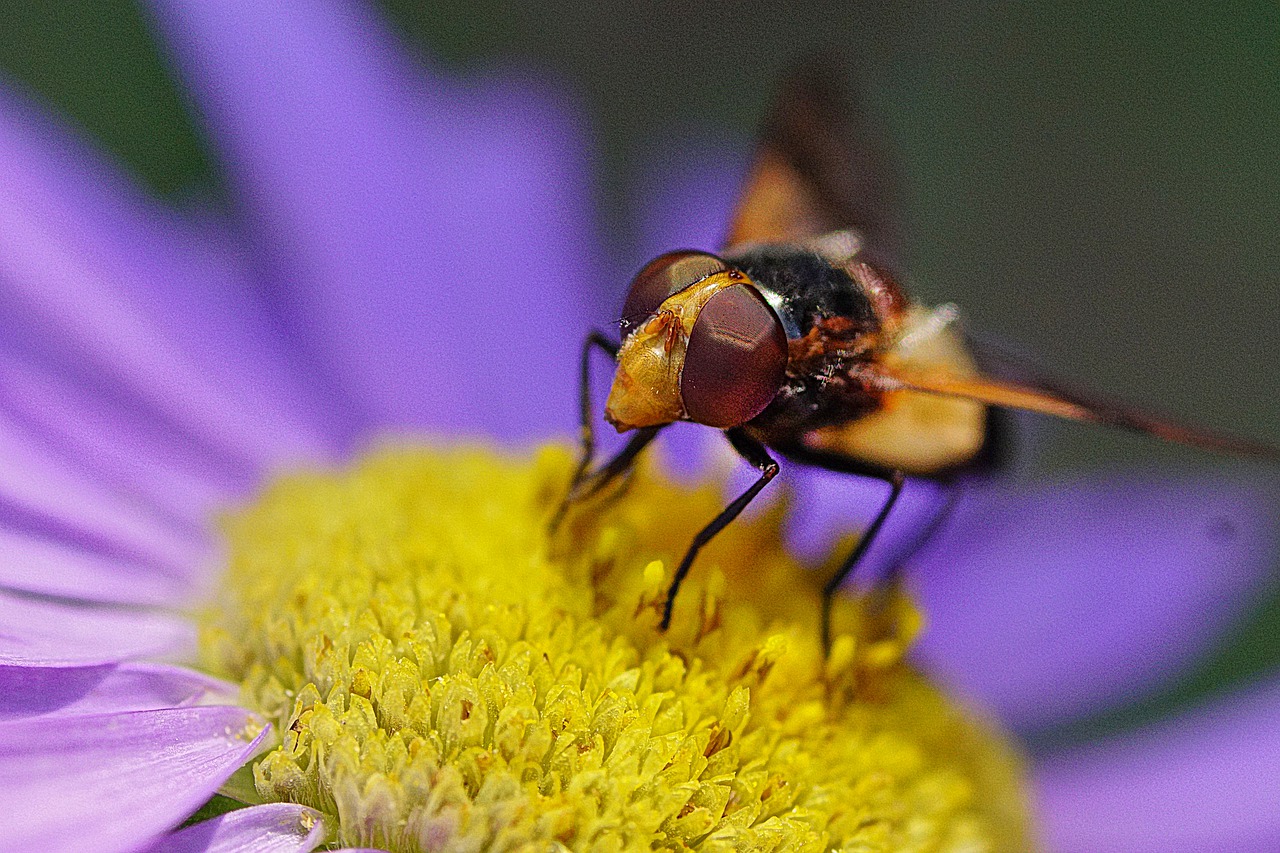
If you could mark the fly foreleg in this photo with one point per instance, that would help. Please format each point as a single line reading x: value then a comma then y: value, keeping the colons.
x: 583, y: 485
x: 752, y: 451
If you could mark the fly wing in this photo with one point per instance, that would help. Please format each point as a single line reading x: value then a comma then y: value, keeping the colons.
x: 818, y: 169
x: 1047, y: 399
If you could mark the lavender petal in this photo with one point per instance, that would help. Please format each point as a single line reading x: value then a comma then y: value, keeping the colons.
x: 272, y: 828
x: 41, y: 492
x: 830, y: 505
x: 114, y: 443
x: 1208, y: 780
x: 27, y: 692
x: 69, y: 569
x: 1059, y: 600
x: 117, y: 295
x: 686, y: 195
x: 429, y: 239
x: 35, y: 633
x: 115, y: 781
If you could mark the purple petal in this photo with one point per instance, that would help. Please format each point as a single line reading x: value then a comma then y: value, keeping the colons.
x: 41, y: 491
x: 273, y: 828
x: 429, y: 239
x: 117, y: 295
x: 113, y: 445
x: 38, y: 565
x: 114, y: 781
x: 34, y: 692
x: 48, y: 634
x: 687, y: 193
x: 1053, y: 602
x: 1209, y: 780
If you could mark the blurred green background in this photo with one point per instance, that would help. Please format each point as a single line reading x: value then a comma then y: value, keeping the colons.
x: 1098, y: 186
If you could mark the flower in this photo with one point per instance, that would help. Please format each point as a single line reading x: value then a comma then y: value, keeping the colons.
x: 447, y: 678
x: 160, y: 365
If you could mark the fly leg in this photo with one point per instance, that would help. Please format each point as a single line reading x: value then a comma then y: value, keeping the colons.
x: 620, y: 464
x: 587, y: 435
x: 752, y: 451
x: 893, y: 576
x: 895, y: 480
x: 587, y: 432
x: 842, y: 464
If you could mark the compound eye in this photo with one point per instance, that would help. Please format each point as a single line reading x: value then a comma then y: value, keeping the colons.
x: 665, y: 276
x: 736, y: 359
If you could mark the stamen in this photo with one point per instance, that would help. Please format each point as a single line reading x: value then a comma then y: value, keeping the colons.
x: 443, y: 677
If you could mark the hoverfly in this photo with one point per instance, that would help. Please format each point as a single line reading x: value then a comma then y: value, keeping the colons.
x: 797, y: 338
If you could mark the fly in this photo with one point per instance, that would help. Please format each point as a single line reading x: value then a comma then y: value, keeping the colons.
x: 797, y: 338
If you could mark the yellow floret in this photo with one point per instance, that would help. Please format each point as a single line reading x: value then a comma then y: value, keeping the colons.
x: 444, y: 677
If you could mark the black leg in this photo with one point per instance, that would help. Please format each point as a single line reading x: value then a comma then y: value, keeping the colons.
x: 587, y: 433
x: 620, y: 464
x: 588, y: 436
x: 894, y: 575
x: 895, y: 480
x: 833, y: 461
x: 752, y: 451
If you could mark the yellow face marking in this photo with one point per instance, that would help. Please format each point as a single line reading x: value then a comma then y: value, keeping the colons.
x: 646, y: 387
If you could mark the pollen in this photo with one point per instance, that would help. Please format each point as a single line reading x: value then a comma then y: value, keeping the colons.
x: 444, y: 675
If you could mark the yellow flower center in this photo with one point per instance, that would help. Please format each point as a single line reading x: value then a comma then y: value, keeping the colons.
x: 443, y: 676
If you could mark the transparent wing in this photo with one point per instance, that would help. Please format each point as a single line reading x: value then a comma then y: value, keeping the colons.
x: 819, y: 168
x: 1058, y: 402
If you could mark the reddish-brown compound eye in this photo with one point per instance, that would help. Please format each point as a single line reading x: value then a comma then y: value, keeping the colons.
x: 664, y: 276
x: 736, y: 359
